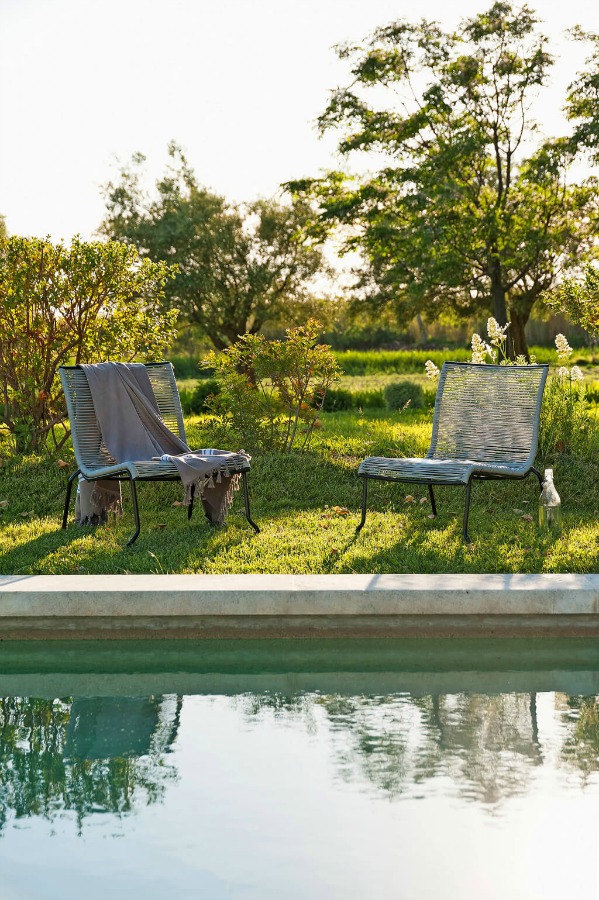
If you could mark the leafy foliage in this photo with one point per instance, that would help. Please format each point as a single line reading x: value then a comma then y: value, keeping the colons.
x: 271, y: 392
x: 579, y: 300
x: 458, y: 218
x: 58, y: 305
x: 238, y: 267
x: 583, y: 99
x: 337, y: 399
x: 197, y: 400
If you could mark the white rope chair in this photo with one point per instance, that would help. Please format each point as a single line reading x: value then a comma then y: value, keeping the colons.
x: 485, y: 426
x: 94, y: 460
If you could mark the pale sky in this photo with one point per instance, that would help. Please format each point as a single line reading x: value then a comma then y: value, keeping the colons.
x: 238, y: 83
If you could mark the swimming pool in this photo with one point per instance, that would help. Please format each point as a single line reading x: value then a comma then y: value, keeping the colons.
x: 300, y: 769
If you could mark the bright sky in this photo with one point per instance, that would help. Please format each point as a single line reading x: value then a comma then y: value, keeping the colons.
x: 238, y: 83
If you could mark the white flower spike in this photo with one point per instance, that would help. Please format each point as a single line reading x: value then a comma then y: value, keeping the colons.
x: 432, y: 371
x: 564, y: 350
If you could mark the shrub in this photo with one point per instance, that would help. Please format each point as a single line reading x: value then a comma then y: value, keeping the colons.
x: 566, y: 425
x: 88, y: 302
x: 339, y: 399
x: 187, y: 367
x: 271, y: 392
x: 196, y: 401
x: 401, y: 394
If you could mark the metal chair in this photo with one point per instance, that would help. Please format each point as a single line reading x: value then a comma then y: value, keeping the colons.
x: 485, y: 426
x: 94, y: 460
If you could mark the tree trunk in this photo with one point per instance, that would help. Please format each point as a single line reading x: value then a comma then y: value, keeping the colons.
x: 498, y: 293
x: 422, y: 329
x: 518, y: 343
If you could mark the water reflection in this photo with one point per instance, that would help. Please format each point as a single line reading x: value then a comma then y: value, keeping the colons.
x: 486, y: 747
x: 395, y: 720
x: 581, y: 744
x: 91, y: 755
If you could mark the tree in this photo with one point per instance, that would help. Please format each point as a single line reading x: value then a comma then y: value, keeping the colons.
x: 579, y: 300
x: 582, y: 105
x: 239, y: 267
x: 88, y: 302
x: 460, y: 217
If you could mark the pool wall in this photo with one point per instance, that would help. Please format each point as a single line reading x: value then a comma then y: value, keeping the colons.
x: 216, y: 606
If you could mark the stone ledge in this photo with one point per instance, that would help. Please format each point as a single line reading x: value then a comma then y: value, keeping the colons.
x: 213, y: 605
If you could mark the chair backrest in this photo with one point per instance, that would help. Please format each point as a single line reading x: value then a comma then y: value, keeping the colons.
x: 85, y: 431
x: 488, y: 413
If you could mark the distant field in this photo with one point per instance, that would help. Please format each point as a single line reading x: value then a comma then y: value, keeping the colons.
x: 391, y: 362
x: 381, y: 368
x: 408, y: 362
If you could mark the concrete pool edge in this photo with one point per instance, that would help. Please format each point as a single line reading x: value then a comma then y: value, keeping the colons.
x: 132, y: 606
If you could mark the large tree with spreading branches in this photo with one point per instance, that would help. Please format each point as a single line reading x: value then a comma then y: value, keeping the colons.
x: 469, y: 211
x: 238, y: 266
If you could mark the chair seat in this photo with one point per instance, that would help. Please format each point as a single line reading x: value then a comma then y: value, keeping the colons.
x: 436, y: 471
x: 157, y: 468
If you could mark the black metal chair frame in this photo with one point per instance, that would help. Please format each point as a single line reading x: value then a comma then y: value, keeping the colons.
x: 77, y: 394
x: 429, y: 484
x: 525, y: 469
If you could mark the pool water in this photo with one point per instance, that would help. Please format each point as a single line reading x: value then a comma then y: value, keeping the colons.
x: 297, y: 769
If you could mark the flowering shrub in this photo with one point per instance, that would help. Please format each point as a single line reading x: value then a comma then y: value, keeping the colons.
x: 566, y: 423
x: 271, y: 392
x: 86, y: 302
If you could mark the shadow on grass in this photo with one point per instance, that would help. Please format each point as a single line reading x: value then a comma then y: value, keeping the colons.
x: 289, y: 496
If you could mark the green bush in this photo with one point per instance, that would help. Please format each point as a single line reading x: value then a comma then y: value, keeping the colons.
x: 568, y: 426
x: 189, y: 367
x: 368, y: 337
x: 59, y: 304
x: 400, y: 394
x: 195, y: 401
x: 271, y: 392
x: 338, y: 399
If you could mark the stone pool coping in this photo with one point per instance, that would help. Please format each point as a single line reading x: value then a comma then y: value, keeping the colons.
x: 132, y: 606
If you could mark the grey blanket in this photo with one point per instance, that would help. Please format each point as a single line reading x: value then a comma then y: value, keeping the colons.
x: 138, y: 433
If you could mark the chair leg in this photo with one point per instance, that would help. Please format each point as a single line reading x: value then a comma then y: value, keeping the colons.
x: 539, y: 476
x: 466, y: 512
x: 67, y: 502
x: 190, y: 507
x: 364, y: 496
x: 135, y: 534
x: 246, y: 500
x: 432, y: 499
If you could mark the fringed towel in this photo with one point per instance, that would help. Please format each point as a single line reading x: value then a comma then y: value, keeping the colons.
x: 95, y: 499
x: 139, y: 433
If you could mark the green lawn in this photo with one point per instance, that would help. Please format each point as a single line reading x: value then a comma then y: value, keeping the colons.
x: 293, y: 500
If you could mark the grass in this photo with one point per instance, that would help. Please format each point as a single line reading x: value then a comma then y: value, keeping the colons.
x: 293, y: 501
x: 405, y: 362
